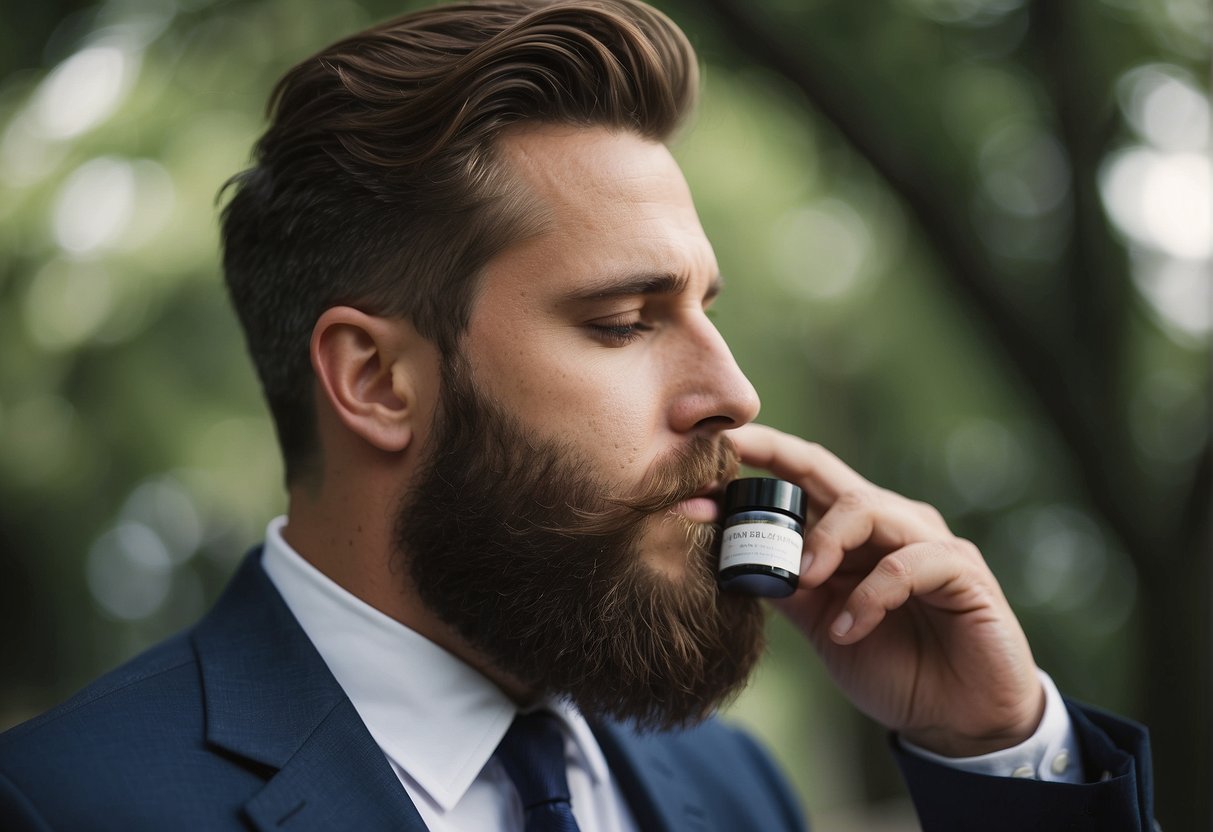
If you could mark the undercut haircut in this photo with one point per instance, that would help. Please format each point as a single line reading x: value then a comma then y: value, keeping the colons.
x: 377, y: 183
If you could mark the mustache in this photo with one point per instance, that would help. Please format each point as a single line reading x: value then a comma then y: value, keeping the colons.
x: 681, y: 475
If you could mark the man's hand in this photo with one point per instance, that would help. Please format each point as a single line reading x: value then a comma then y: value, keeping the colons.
x: 907, y: 617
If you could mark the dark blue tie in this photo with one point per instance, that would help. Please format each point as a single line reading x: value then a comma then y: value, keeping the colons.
x: 533, y: 755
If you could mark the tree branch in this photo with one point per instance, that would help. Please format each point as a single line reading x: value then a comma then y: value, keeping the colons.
x: 1097, y: 273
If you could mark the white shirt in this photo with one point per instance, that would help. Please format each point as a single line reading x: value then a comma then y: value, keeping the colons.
x: 438, y: 721
x: 1051, y: 754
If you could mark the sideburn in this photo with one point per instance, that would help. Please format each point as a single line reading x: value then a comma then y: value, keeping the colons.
x: 515, y: 543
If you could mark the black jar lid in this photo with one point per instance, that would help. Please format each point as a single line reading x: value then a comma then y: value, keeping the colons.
x: 758, y: 493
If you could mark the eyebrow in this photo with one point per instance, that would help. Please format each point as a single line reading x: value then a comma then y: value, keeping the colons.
x: 659, y: 283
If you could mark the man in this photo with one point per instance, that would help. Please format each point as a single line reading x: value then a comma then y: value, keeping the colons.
x: 474, y: 286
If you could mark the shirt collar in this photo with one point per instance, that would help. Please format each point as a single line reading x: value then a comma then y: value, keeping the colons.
x: 431, y: 713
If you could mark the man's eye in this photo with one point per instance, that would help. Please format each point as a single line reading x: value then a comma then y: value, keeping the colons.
x: 621, y: 333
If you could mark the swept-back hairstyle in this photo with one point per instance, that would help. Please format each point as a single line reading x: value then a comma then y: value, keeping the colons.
x: 377, y: 185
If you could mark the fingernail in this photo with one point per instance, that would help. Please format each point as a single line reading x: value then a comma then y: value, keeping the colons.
x: 806, y: 560
x: 843, y: 623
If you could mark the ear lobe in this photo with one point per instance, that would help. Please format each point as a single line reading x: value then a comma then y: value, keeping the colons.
x: 362, y: 366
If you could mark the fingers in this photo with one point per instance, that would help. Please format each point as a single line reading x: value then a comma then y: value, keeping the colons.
x: 865, y: 515
x: 822, y: 475
x: 948, y: 575
x: 895, y: 547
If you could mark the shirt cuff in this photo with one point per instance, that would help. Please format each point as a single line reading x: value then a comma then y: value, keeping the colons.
x: 1051, y: 754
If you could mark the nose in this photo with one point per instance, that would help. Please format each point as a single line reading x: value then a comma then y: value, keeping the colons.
x: 713, y: 394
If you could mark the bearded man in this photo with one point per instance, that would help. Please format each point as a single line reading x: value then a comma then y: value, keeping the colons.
x: 475, y: 290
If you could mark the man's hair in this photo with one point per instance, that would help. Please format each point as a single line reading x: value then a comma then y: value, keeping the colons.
x: 377, y: 183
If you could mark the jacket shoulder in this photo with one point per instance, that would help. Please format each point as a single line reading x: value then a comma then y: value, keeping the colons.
x: 123, y: 691
x: 126, y: 752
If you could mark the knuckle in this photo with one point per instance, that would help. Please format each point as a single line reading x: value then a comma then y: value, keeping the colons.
x: 895, y: 568
x: 929, y: 512
x: 856, y: 499
x: 868, y: 594
x: 823, y: 453
x: 967, y: 549
x: 820, y: 538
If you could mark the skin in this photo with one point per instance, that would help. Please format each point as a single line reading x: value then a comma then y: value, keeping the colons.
x: 595, y: 333
x: 624, y: 375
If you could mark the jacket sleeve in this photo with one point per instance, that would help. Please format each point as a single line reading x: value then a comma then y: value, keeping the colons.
x: 1117, y: 795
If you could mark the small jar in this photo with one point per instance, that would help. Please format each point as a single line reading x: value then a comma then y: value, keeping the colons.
x: 762, y: 537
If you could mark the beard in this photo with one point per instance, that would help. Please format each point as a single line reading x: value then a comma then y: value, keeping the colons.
x: 515, y: 543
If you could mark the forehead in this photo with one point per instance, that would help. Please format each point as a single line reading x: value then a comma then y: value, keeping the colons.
x: 614, y: 202
x: 580, y: 167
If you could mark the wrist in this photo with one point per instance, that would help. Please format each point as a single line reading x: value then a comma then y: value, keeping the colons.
x: 947, y: 742
x: 1052, y: 754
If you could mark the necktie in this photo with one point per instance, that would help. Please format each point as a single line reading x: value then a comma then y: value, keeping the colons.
x: 533, y: 755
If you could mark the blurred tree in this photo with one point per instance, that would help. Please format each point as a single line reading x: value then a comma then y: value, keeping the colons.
x: 965, y: 250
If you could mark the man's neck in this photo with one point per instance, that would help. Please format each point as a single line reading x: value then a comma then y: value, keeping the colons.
x: 357, y: 553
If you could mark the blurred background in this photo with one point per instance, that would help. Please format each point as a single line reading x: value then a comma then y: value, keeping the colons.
x: 967, y: 244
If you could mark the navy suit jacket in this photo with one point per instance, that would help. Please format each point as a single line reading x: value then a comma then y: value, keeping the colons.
x: 238, y: 724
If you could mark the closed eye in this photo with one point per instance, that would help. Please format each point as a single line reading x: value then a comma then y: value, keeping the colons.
x: 620, y: 334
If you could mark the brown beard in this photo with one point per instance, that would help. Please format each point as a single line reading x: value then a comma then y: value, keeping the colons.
x: 514, y: 543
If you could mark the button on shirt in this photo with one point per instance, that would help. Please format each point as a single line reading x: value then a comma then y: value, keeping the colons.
x: 438, y: 721
x: 1050, y: 754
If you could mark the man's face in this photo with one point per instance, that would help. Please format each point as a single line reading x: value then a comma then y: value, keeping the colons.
x: 595, y: 334
x: 555, y: 522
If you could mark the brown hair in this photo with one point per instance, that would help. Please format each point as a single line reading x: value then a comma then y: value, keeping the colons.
x: 376, y: 183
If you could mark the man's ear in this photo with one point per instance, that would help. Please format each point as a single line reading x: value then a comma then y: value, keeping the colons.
x: 366, y: 367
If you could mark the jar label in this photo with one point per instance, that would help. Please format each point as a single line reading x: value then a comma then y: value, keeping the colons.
x: 763, y: 544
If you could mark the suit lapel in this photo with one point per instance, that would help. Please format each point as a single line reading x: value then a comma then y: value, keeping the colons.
x: 660, y: 800
x: 270, y: 698
x: 339, y: 779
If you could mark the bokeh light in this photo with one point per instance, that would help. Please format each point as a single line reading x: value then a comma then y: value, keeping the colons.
x: 83, y: 91
x: 129, y: 571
